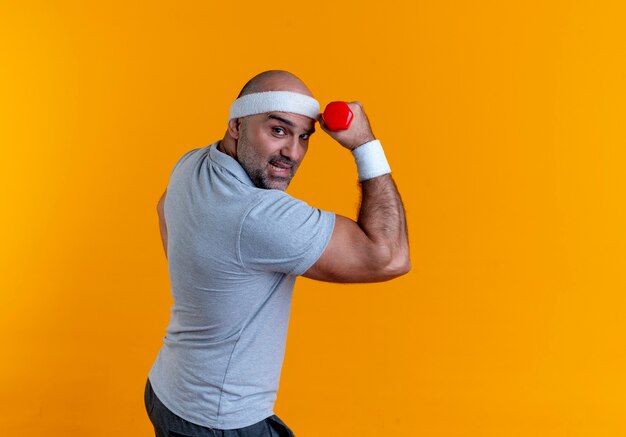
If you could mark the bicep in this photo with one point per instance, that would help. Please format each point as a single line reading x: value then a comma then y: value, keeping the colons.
x: 351, y: 256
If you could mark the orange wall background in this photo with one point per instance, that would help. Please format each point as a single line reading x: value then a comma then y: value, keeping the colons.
x: 504, y: 126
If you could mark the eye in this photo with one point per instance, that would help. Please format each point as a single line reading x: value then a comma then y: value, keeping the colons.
x: 305, y: 136
x: 279, y: 131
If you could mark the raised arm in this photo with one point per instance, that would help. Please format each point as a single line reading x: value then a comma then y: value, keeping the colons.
x: 374, y: 248
x: 162, y: 223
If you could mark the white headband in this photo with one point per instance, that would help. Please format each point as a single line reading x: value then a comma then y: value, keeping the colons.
x: 270, y: 101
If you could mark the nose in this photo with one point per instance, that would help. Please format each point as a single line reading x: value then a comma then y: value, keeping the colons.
x: 293, y: 150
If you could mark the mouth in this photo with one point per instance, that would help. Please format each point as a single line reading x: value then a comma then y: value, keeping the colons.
x: 280, y: 169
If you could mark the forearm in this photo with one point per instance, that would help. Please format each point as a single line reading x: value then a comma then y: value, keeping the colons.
x: 375, y: 248
x: 382, y: 218
x: 162, y: 222
x: 163, y: 229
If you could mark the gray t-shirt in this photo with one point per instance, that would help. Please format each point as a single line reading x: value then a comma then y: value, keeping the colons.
x: 234, y: 252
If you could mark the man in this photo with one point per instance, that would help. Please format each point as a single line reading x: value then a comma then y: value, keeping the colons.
x: 235, y: 243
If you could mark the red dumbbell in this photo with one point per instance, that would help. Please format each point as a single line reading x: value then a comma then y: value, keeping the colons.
x: 337, y: 116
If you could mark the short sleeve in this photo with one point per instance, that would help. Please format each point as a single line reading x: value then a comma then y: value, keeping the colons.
x: 182, y: 159
x: 283, y: 234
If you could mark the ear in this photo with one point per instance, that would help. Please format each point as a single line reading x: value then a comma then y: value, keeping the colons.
x: 234, y: 125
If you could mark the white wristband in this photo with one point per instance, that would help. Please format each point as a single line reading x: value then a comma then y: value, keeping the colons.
x: 370, y: 160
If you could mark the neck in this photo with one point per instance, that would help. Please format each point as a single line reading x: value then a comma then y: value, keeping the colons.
x: 228, y: 145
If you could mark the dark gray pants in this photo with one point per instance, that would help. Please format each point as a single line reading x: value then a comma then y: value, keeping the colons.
x: 168, y: 424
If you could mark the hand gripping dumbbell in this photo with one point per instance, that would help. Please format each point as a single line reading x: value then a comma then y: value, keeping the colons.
x: 337, y: 116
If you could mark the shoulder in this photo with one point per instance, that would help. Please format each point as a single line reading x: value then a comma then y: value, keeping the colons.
x: 184, y: 157
x: 278, y: 205
x: 278, y: 216
x: 282, y: 233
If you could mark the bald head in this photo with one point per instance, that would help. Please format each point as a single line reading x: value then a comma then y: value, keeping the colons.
x: 275, y: 80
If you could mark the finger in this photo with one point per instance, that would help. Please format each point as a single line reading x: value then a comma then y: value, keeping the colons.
x: 356, y: 105
x: 322, y: 123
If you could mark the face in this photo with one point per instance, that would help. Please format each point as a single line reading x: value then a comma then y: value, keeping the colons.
x: 271, y: 146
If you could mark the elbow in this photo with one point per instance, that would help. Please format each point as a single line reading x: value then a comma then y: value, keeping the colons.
x: 393, y: 264
x: 399, y: 265
x: 404, y: 266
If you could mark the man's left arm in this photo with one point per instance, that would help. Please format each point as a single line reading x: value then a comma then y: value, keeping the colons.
x: 162, y: 224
